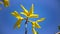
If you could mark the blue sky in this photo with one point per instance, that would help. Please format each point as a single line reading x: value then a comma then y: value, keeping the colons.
x: 49, y: 9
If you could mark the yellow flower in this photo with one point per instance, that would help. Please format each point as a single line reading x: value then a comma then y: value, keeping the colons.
x: 29, y: 14
x: 35, y: 23
x: 15, y: 13
x: 6, y: 3
x: 34, y: 31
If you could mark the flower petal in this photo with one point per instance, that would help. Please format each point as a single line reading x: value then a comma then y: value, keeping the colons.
x: 15, y: 13
x: 18, y: 23
x: 25, y: 11
x: 6, y: 3
x: 40, y: 20
x: 24, y: 14
x: 34, y: 31
x: 33, y: 24
x: 33, y: 16
x: 31, y: 9
x: 37, y: 25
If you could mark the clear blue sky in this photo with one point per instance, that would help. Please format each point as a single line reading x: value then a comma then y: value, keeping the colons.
x: 50, y: 9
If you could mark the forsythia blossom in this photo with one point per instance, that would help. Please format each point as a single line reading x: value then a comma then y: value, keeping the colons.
x: 15, y: 13
x: 29, y: 14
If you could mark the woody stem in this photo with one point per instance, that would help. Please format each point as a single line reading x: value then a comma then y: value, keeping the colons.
x: 26, y: 25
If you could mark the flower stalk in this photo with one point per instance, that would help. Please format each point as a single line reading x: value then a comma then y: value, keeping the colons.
x: 26, y: 25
